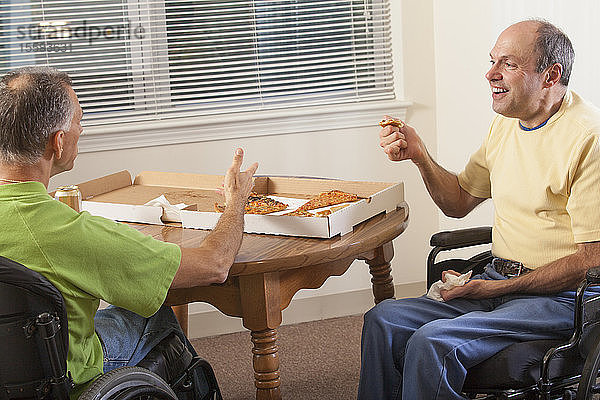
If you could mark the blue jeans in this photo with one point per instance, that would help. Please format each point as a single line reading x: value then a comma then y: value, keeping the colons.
x: 420, y: 349
x: 128, y: 337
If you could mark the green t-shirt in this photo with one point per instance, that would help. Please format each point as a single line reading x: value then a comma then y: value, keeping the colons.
x: 87, y: 258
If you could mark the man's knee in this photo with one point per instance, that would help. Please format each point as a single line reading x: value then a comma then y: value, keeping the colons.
x: 430, y: 337
x: 378, y: 315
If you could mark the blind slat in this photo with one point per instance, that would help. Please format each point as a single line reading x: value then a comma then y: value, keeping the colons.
x: 200, y: 57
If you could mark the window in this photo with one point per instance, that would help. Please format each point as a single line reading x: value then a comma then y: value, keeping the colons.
x: 148, y: 60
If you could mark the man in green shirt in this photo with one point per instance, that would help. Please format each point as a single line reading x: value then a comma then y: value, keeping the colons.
x: 89, y: 258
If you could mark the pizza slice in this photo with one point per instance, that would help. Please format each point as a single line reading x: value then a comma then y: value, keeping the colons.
x: 300, y: 213
x: 329, y: 211
x: 330, y: 198
x: 391, y: 121
x: 258, y: 204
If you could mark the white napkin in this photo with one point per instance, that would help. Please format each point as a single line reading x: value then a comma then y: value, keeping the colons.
x: 451, y: 281
x: 170, y: 211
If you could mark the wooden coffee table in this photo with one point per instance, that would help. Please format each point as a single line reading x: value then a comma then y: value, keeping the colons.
x: 270, y: 269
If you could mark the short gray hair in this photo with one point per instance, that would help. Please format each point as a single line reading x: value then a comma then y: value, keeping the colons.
x: 34, y: 104
x: 554, y: 47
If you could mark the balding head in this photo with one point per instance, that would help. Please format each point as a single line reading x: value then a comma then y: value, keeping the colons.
x: 547, y: 43
x: 35, y: 102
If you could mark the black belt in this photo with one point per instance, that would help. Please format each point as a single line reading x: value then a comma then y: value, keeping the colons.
x: 509, y: 268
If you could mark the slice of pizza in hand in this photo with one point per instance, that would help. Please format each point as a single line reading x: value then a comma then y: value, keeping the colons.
x: 330, y: 198
x: 391, y: 121
x: 258, y: 204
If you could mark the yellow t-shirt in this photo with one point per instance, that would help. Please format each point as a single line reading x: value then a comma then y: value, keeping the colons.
x: 545, y: 183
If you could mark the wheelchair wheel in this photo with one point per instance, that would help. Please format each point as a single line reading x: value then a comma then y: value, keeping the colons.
x: 129, y: 383
x: 589, y: 384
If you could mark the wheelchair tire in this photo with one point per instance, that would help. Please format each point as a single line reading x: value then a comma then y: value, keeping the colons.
x: 129, y: 383
x: 589, y: 386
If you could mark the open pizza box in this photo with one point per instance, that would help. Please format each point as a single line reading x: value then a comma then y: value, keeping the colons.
x: 190, y: 199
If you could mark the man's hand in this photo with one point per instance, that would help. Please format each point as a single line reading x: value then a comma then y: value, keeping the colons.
x: 238, y: 185
x: 449, y: 271
x: 475, y: 289
x: 402, y: 143
x: 210, y: 262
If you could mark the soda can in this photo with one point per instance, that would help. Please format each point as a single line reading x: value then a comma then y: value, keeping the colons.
x: 70, y: 195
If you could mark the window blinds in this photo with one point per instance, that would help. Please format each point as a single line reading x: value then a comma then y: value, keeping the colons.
x: 144, y: 60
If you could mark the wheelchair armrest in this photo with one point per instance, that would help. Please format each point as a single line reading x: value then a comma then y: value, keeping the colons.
x: 462, y: 238
x: 450, y: 240
x: 592, y: 276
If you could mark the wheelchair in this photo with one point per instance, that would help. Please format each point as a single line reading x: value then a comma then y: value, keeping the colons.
x: 34, y: 343
x: 539, y: 369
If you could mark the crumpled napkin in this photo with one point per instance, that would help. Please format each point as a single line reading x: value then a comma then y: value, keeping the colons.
x: 451, y: 281
x: 170, y: 211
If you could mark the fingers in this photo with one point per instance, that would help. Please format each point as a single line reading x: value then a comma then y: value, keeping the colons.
x: 252, y: 169
x: 238, y: 184
x: 394, y: 150
x: 385, y: 139
x: 238, y: 158
x: 451, y: 272
x: 388, y: 130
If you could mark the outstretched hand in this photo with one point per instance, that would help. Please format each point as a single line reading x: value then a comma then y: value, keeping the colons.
x: 237, y: 184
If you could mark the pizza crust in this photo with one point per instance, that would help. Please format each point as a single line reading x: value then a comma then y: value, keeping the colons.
x: 391, y: 121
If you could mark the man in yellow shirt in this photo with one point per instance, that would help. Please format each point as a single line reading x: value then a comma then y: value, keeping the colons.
x: 540, y: 164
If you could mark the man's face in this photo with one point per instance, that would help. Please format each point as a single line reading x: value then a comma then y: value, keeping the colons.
x: 517, y: 88
x: 70, y: 139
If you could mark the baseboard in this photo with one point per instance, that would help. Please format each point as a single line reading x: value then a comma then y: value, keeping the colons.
x: 211, y: 323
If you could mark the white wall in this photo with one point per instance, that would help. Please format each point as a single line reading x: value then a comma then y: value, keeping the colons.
x: 465, y: 32
x: 441, y: 52
x: 348, y: 154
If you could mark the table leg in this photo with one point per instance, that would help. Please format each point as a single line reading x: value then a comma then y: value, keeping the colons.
x: 379, y: 266
x: 265, y: 360
x: 181, y: 313
x: 261, y: 308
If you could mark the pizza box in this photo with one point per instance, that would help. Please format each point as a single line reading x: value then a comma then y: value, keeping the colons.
x: 119, y: 198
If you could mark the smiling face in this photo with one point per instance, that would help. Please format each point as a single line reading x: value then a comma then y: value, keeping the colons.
x: 517, y: 89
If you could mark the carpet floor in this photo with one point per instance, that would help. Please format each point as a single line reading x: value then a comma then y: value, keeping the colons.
x: 318, y: 360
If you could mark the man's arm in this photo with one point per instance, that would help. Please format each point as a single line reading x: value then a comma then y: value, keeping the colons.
x: 563, y: 274
x: 211, y: 261
x: 443, y: 187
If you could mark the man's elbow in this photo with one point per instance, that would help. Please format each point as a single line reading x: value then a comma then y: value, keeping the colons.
x: 220, y: 269
x: 455, y: 213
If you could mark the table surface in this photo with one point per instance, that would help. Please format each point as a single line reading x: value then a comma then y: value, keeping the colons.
x: 267, y: 253
x: 270, y: 269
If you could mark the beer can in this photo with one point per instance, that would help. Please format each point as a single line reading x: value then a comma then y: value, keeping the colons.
x: 70, y: 195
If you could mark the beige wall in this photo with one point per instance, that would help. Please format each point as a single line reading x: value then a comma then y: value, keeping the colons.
x: 465, y: 32
x: 441, y: 55
x: 348, y: 154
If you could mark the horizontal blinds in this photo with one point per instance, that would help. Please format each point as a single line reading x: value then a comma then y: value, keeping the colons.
x: 140, y: 60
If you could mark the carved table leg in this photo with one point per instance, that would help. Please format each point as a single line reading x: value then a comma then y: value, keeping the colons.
x: 379, y: 266
x: 261, y: 308
x: 266, y: 364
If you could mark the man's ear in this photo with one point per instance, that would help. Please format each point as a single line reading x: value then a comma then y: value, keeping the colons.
x: 553, y: 75
x: 57, y: 143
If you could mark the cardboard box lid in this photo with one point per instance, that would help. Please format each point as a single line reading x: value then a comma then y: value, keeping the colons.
x: 115, y: 196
